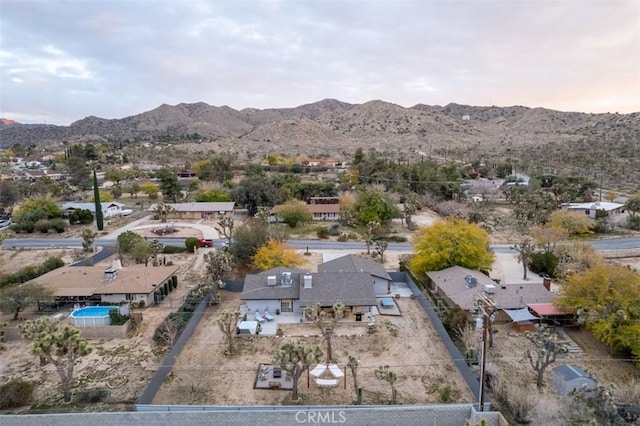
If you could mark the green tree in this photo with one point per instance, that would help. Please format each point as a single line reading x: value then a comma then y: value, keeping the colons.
x: 150, y: 190
x: 133, y: 188
x: 633, y: 205
x: 373, y: 205
x: 546, y: 350
x: 325, y: 321
x: 276, y: 253
x: 605, y: 299
x: 115, y: 174
x: 141, y: 251
x: 78, y: 172
x: 81, y: 216
x: 126, y: 241
x: 62, y: 346
x: 212, y: 196
x: 98, y: 204
x: 15, y: 299
x: 253, y: 192
x: 294, y: 213
x: 295, y: 357
x: 353, y: 364
x: 44, y: 208
x: 451, y: 242
x: 169, y: 185
x: 8, y: 193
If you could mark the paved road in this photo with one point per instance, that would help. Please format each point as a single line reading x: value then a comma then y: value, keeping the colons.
x: 609, y: 244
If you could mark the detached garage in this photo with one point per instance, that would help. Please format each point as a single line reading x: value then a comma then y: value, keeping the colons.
x: 567, y: 378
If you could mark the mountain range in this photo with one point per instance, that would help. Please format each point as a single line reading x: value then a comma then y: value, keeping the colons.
x: 334, y: 128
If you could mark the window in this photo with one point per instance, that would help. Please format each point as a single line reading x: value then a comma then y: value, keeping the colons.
x: 286, y: 305
x: 128, y: 297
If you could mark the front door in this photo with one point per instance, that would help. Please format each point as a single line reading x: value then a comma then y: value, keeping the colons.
x: 286, y: 305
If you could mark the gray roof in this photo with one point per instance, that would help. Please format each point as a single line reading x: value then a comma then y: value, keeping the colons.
x: 355, y: 263
x: 255, y: 285
x: 451, y: 282
x: 350, y: 288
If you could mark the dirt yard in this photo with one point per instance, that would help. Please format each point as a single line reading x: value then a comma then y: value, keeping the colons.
x: 204, y: 375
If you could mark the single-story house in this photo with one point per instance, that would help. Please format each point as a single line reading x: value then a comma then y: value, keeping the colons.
x: 93, y: 284
x: 459, y: 286
x: 291, y: 290
x: 591, y: 209
x: 109, y: 208
x: 566, y: 378
x: 354, y: 263
x: 199, y: 210
x: 322, y: 212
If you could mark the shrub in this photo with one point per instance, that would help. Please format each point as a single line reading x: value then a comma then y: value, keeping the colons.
x: 544, y: 262
x: 16, y: 393
x: 117, y: 318
x: 334, y: 231
x: 172, y: 250
x: 81, y: 216
x: 42, y: 225
x: 342, y: 238
x: 50, y: 264
x: 58, y: 224
x: 174, y: 281
x: 190, y: 243
x: 322, y: 232
x: 141, y: 304
x: 396, y: 239
x: 91, y: 396
x: 634, y: 222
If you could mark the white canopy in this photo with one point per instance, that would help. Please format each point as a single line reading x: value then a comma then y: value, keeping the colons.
x: 519, y: 315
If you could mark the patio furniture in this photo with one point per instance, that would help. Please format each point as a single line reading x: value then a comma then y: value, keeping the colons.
x: 326, y: 383
x: 277, y: 372
x: 267, y: 315
x: 318, y: 370
x: 335, y: 371
x: 274, y: 385
x: 259, y: 317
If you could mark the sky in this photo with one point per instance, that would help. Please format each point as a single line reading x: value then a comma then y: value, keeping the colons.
x: 61, y: 61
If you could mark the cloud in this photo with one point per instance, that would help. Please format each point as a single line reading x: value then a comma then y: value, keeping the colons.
x: 67, y: 60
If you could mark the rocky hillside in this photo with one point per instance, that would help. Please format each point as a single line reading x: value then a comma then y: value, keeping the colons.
x: 537, y: 138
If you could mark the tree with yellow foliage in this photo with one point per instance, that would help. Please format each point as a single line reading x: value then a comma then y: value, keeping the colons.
x: 275, y: 254
x: 605, y: 299
x: 449, y: 243
x: 573, y: 223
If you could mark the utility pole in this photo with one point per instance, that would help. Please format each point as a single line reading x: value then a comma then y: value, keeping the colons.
x: 600, y: 194
x: 486, y: 308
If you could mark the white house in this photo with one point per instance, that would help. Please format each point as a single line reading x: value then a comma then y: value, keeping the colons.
x: 109, y: 209
x: 591, y: 209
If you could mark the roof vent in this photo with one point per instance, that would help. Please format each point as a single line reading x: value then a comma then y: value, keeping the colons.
x: 307, y: 280
x: 490, y: 289
x: 470, y: 281
x: 271, y: 280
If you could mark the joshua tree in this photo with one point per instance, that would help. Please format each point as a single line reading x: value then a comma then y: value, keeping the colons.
x: 383, y: 373
x: 163, y: 210
x: 88, y: 237
x: 218, y: 263
x: 227, y: 323
x: 295, y: 358
x: 546, y: 351
x: 526, y: 248
x: 60, y: 346
x: 325, y: 322
x: 353, y: 366
x: 226, y: 226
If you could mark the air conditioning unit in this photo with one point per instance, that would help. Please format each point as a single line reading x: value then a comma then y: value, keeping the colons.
x: 490, y: 289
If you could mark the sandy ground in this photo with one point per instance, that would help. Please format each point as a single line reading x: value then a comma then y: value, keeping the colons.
x: 204, y: 375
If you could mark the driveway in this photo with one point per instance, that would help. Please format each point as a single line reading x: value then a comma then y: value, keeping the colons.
x: 208, y: 231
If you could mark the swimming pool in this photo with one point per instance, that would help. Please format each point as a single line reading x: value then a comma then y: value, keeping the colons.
x: 93, y: 316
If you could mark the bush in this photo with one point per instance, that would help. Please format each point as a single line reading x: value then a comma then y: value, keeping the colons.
x: 174, y: 281
x: 59, y: 225
x: 322, y: 232
x: 50, y: 264
x: 334, y: 231
x: 544, y: 262
x: 42, y: 225
x: 396, y: 239
x: 141, y: 304
x: 342, y: 238
x: 81, y: 216
x: 172, y: 250
x: 16, y: 393
x: 634, y: 222
x: 117, y: 318
x: 190, y: 243
x: 91, y: 396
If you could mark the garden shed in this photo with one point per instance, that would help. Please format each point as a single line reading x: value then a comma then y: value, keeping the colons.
x: 567, y: 378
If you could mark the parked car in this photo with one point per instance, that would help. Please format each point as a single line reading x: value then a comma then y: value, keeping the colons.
x: 543, y: 275
x: 203, y: 242
x: 126, y: 212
